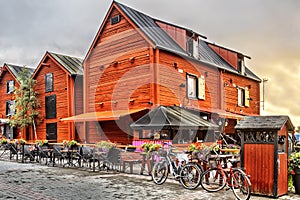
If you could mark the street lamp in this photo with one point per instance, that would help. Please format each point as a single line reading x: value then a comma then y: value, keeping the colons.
x: 263, y: 101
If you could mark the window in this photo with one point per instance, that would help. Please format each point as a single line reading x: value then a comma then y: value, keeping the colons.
x: 115, y: 19
x: 51, y: 131
x: 10, y: 108
x: 10, y: 87
x: 243, y: 97
x: 50, y: 107
x: 191, y: 86
x: 49, y: 82
x: 195, y: 87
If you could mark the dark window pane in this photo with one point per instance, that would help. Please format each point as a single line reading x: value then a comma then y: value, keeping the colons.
x: 49, y: 82
x: 51, y: 131
x: 51, y: 107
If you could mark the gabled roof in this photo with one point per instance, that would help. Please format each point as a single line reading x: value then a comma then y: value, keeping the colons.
x: 172, y: 117
x: 72, y: 64
x: 15, y: 70
x: 264, y: 122
x: 163, y: 41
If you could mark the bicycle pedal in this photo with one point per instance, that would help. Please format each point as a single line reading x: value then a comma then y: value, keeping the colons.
x: 227, y: 188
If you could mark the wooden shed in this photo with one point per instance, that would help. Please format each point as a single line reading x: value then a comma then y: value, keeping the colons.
x: 264, y: 152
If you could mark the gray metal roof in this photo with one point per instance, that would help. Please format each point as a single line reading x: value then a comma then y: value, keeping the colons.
x: 147, y: 24
x: 210, y: 56
x: 15, y: 70
x: 71, y: 64
x: 264, y: 122
x: 172, y: 117
x: 163, y: 41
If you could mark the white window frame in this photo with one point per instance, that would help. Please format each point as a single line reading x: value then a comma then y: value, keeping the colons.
x: 243, y: 97
x: 10, y: 86
x: 191, y: 86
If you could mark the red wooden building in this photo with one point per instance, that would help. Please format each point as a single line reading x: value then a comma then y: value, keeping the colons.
x: 60, y: 88
x: 8, y: 82
x: 137, y: 63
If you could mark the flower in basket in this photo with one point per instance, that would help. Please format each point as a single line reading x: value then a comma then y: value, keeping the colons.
x: 105, y: 145
x: 215, y: 148
x: 3, y: 141
x: 231, y: 148
x: 22, y: 141
x: 198, y: 150
x: 65, y: 143
x: 150, y: 147
x: 72, y: 143
x: 41, y: 142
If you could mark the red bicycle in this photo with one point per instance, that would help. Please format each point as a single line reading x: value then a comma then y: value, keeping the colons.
x: 215, y: 179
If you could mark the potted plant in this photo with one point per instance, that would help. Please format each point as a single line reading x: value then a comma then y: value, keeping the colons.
x: 294, y: 171
x: 3, y: 141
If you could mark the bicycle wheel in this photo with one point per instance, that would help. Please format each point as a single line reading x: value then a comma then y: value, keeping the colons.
x: 190, y: 176
x: 240, y: 185
x: 213, y: 180
x: 160, y: 172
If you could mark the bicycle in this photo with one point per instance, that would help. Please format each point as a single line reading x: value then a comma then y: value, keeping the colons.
x: 215, y: 179
x: 188, y: 174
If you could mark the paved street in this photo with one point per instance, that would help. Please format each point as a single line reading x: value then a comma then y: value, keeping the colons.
x: 32, y: 181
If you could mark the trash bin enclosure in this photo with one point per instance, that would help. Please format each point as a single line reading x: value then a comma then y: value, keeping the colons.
x: 264, y: 152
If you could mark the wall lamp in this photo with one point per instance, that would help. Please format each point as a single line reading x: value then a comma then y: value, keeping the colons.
x: 206, y: 74
x: 150, y: 103
x: 101, y: 67
x: 115, y: 64
x: 175, y: 65
x: 101, y: 104
x: 182, y: 85
x: 131, y: 60
x: 131, y: 101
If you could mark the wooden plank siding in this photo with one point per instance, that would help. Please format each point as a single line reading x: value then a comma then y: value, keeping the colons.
x: 264, y: 155
x: 231, y: 94
x: 170, y: 79
x: 230, y: 56
x: 63, y: 85
x: 129, y: 79
x: 7, y: 76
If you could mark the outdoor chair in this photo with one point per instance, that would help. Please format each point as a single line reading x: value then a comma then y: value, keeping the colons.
x: 113, y: 159
x: 87, y: 157
x: 13, y: 151
x: 43, y: 154
x: 27, y: 153
x: 58, y: 157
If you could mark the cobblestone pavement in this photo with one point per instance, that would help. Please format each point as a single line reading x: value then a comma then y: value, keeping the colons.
x: 32, y: 181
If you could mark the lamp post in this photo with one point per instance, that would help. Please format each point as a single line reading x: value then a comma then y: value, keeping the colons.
x: 263, y: 101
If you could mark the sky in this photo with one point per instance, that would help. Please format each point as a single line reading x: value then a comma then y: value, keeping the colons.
x: 266, y: 30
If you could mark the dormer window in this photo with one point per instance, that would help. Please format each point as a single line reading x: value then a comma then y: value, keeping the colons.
x: 241, y: 66
x: 10, y: 87
x: 193, y: 47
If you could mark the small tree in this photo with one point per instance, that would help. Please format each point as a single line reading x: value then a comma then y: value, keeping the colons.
x: 26, y: 102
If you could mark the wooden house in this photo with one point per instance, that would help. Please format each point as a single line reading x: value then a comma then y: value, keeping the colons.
x: 137, y: 63
x: 265, y: 141
x: 8, y: 82
x: 59, y: 87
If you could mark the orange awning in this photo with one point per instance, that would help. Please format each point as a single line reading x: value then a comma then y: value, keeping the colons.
x: 101, y: 116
